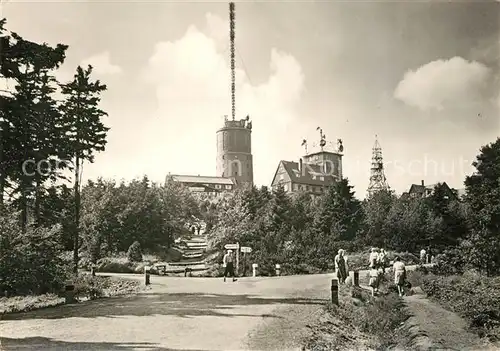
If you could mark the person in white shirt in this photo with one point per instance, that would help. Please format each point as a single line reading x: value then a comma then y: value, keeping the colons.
x: 382, y: 260
x: 423, y: 254
x: 227, y: 262
x: 399, y: 274
x: 373, y: 258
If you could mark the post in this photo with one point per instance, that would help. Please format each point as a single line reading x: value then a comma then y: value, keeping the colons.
x: 69, y: 293
x: 254, y: 269
x: 278, y: 270
x: 92, y: 270
x: 146, y: 276
x: 237, y: 258
x: 244, y: 263
x: 335, y: 292
x: 355, y: 280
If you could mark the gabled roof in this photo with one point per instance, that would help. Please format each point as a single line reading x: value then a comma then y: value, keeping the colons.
x: 202, y: 179
x: 306, y: 176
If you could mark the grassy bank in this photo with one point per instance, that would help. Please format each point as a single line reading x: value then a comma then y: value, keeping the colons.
x: 474, y: 297
x: 359, y: 322
x: 86, y: 288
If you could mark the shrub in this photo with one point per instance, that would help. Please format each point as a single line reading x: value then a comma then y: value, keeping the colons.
x: 134, y: 253
x: 110, y: 265
x: 474, y: 297
x: 30, y: 262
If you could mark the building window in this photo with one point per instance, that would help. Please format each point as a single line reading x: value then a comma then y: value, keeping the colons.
x: 282, y: 176
x: 222, y: 174
x: 217, y: 186
x: 228, y: 187
x: 295, y: 187
x: 322, y: 178
x: 314, y: 177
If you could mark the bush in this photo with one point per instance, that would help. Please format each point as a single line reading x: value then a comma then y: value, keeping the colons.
x: 450, y: 262
x: 474, y: 297
x: 134, y: 253
x: 30, y: 262
x: 110, y: 265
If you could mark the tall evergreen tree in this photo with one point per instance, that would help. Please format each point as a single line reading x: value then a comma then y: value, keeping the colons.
x: 84, y: 129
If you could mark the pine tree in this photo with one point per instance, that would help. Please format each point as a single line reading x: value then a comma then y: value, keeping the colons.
x: 84, y: 130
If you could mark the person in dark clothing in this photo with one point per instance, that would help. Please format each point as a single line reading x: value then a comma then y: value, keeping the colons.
x: 227, y: 262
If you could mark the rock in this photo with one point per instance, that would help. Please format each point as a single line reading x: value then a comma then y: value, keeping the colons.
x: 417, y: 290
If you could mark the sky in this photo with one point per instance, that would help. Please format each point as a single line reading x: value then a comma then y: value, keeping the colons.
x: 422, y: 76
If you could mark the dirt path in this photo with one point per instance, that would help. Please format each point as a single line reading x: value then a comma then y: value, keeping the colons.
x: 434, y: 327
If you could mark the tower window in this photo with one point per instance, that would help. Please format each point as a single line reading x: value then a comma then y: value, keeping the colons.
x: 223, y: 157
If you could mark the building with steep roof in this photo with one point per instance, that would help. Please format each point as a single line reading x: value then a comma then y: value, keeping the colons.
x: 423, y: 190
x: 313, y: 173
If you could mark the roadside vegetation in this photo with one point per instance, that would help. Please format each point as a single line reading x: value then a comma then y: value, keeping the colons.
x: 121, y: 227
x: 360, y: 322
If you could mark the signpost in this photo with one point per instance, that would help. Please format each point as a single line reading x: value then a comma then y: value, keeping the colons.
x: 245, y: 250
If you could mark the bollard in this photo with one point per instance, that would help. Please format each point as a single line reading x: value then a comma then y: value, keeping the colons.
x: 355, y: 280
x: 335, y: 292
x: 146, y: 276
x: 69, y: 293
x: 278, y: 270
x: 254, y: 269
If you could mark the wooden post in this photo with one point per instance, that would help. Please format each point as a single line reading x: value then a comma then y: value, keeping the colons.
x: 335, y: 292
x: 237, y: 258
x: 355, y: 280
x: 146, y: 276
x: 69, y: 293
x: 92, y: 270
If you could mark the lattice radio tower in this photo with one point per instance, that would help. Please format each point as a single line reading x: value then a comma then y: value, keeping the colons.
x: 378, y: 180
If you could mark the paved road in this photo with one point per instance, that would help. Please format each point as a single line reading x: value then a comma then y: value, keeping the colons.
x: 180, y: 314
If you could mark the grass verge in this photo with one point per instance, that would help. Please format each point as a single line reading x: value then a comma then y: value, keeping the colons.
x: 474, y: 297
x: 359, y: 322
x: 86, y: 288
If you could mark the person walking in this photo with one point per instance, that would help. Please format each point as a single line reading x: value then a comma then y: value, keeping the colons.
x: 429, y: 255
x: 373, y: 258
x: 341, y: 266
x: 382, y: 260
x: 423, y: 256
x: 227, y: 262
x: 399, y: 275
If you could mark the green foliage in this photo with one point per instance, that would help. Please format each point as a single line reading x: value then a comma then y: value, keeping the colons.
x: 482, y: 247
x: 475, y: 297
x: 29, y: 261
x: 134, y: 253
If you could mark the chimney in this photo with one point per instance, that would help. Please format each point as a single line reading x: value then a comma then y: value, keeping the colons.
x: 423, y: 184
x: 300, y: 166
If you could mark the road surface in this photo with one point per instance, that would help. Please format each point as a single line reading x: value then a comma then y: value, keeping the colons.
x: 177, y: 313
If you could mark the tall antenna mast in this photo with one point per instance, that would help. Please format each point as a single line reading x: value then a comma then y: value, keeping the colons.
x: 378, y: 181
x: 233, y: 74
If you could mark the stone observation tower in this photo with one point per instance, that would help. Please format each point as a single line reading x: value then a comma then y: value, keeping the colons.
x: 234, y: 151
x: 234, y: 142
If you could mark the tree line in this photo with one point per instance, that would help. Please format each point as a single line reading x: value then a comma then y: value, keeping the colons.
x: 58, y: 126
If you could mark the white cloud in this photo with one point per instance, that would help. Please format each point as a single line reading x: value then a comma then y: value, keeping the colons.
x: 192, y: 80
x: 443, y: 83
x: 102, y: 64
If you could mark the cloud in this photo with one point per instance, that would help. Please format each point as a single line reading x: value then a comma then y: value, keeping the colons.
x: 444, y: 83
x: 102, y: 64
x: 191, y: 76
